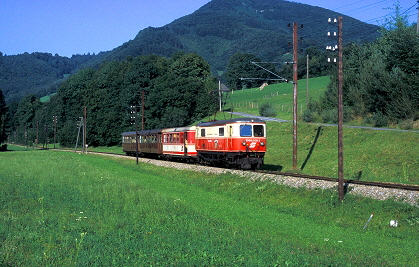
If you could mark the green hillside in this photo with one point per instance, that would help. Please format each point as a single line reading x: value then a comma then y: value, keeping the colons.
x: 36, y: 73
x: 279, y: 95
x: 387, y: 156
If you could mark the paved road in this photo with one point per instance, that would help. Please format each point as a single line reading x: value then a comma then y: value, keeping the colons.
x: 322, y: 124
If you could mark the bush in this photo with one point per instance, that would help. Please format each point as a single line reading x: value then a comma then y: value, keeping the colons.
x: 309, y: 116
x: 379, y: 119
x: 267, y: 110
x: 331, y: 115
x: 406, y: 124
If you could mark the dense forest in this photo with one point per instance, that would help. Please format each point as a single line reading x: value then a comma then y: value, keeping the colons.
x: 35, y: 73
x: 216, y: 31
x: 380, y: 81
x: 178, y: 91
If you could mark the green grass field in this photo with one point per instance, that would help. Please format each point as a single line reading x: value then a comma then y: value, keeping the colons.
x: 280, y: 95
x: 71, y: 209
x: 386, y: 156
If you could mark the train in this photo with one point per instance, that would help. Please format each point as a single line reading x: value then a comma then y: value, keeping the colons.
x: 234, y: 143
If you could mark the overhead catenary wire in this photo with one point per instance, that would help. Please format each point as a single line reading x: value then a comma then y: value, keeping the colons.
x: 354, y: 23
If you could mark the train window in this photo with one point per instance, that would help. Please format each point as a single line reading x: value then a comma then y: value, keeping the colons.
x: 220, y: 131
x: 258, y: 130
x: 202, y: 132
x: 245, y: 130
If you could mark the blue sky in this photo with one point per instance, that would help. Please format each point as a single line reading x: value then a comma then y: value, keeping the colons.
x: 77, y: 27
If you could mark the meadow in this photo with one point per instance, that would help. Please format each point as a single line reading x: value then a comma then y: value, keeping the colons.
x: 71, y: 209
x: 280, y: 95
x: 387, y: 156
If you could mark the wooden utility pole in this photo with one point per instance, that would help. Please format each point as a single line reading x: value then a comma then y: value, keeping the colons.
x: 219, y: 92
x: 417, y: 21
x: 307, y: 100
x: 340, y: 110
x: 136, y: 130
x: 142, y: 110
x: 55, y: 129
x: 295, y: 82
x: 133, y: 111
x: 37, y: 133
x: 339, y: 47
x: 84, y: 130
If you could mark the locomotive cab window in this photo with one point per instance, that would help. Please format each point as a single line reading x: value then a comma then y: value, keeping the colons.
x: 220, y: 131
x: 246, y: 130
x: 202, y: 132
x: 258, y: 131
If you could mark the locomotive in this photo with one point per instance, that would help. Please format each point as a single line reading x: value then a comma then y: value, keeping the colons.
x: 235, y: 143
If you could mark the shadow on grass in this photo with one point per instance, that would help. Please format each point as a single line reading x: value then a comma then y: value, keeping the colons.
x: 316, y: 138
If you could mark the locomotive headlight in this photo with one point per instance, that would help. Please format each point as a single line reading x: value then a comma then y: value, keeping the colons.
x: 262, y: 143
x: 244, y: 143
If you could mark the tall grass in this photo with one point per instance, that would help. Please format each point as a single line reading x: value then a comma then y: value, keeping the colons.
x: 69, y: 209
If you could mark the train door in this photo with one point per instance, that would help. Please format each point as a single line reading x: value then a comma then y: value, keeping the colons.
x: 185, y: 143
x: 229, y: 136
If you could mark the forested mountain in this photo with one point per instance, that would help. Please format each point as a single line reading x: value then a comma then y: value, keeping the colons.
x: 35, y: 73
x: 222, y: 28
x: 178, y: 91
x: 216, y: 31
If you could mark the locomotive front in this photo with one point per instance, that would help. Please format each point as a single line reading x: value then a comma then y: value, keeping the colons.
x: 239, y: 143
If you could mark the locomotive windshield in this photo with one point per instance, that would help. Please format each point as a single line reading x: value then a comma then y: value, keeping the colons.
x: 248, y: 130
x: 258, y: 131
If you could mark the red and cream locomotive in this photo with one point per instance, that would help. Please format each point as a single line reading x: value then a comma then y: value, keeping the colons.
x: 235, y: 143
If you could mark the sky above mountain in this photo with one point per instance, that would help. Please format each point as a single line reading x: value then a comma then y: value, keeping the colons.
x: 80, y: 27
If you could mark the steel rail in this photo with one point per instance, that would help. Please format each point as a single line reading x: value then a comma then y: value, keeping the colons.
x: 346, y: 181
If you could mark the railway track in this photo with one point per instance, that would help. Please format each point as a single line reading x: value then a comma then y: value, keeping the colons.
x: 359, y: 182
x: 330, y: 179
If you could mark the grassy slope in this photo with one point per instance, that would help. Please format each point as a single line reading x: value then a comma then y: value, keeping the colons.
x: 368, y: 155
x: 281, y: 95
x: 67, y: 209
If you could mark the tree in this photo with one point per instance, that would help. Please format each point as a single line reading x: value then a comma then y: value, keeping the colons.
x: 182, y: 95
x: 177, y: 94
x: 240, y: 66
x: 3, y: 118
x: 381, y: 78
